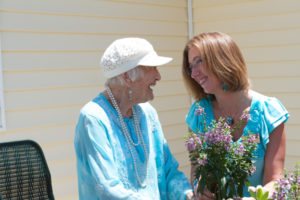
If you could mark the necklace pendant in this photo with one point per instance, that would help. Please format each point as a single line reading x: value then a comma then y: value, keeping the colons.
x: 229, y: 121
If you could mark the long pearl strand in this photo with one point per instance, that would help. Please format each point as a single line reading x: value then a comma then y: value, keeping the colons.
x: 128, y: 137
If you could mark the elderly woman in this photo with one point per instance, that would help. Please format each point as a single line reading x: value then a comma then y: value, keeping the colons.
x: 120, y: 147
x: 216, y: 75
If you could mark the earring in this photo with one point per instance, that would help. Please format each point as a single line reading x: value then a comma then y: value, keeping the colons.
x: 224, y: 87
x: 130, y: 94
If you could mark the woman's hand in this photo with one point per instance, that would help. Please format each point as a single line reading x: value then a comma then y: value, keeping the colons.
x: 206, y: 195
x: 190, y: 196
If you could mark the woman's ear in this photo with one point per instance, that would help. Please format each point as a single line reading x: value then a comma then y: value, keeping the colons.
x: 126, y: 79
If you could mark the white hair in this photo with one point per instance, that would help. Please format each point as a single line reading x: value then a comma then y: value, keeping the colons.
x: 133, y: 75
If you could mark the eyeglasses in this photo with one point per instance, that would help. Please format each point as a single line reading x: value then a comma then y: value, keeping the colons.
x: 197, y: 62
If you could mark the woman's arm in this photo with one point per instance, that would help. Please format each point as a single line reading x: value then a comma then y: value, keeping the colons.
x: 274, y: 157
x: 193, y: 168
x: 96, y: 164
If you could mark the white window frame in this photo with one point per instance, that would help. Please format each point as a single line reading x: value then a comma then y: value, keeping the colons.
x: 2, y: 105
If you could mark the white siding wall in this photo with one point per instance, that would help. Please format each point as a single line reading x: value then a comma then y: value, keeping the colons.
x: 51, y: 50
x: 268, y: 33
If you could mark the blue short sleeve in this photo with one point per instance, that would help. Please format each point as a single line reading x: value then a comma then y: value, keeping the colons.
x: 191, y: 119
x: 274, y: 113
x: 197, y: 122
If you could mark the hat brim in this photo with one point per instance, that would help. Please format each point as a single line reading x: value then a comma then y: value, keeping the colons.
x: 150, y: 60
x: 154, y: 60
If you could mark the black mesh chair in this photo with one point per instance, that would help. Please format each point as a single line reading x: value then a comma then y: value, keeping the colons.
x: 24, y: 172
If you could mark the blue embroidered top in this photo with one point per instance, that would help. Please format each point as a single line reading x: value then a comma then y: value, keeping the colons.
x: 104, y: 163
x: 266, y: 114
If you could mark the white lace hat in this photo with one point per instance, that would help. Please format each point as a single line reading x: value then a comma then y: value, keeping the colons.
x: 127, y: 53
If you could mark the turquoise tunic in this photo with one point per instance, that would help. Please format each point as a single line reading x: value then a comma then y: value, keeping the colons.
x: 104, y: 163
x: 266, y: 113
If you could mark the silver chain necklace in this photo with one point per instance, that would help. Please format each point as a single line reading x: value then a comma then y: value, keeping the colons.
x: 128, y: 137
x: 228, y: 119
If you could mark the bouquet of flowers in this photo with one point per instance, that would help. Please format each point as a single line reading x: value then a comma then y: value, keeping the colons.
x: 288, y: 187
x: 221, y: 164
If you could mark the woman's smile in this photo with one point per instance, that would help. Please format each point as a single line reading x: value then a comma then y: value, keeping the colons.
x: 202, y: 80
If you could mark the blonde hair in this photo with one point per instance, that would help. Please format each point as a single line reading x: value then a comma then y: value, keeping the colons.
x: 222, y: 57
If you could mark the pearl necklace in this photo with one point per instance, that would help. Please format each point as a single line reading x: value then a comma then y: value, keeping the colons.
x: 128, y: 137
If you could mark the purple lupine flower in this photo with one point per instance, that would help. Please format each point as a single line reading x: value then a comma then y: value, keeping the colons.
x: 199, y: 110
x: 198, y: 141
x: 239, y: 150
x: 253, y: 169
x: 251, y: 138
x: 217, y: 136
x: 245, y: 115
x: 285, y: 183
x: 288, y: 187
x: 283, y: 189
x: 202, y: 161
x: 187, y: 145
x: 190, y: 144
x: 275, y: 195
x: 226, y: 126
x: 291, y: 178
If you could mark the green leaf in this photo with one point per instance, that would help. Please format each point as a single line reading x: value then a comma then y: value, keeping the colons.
x: 259, y: 193
x: 201, y: 185
x: 248, y: 183
x: 265, y: 196
x: 253, y: 194
x: 223, y: 181
x: 223, y: 186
